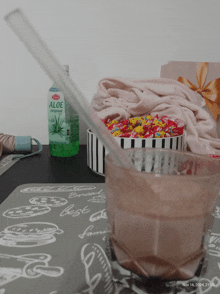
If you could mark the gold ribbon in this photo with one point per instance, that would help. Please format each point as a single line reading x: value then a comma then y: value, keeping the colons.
x: 211, y: 92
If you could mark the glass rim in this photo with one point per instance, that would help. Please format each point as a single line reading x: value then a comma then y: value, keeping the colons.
x: 110, y: 161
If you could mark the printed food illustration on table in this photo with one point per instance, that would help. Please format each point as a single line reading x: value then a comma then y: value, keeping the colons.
x: 42, y: 205
x: 205, y: 285
x: 43, y: 233
x: 97, y: 267
x: 216, y: 213
x: 98, y: 215
x: 82, y: 202
x: 214, y: 244
x: 26, y: 266
x: 29, y: 234
x: 26, y: 211
x: 51, y: 201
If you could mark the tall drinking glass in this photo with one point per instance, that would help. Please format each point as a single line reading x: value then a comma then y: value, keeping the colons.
x: 159, y: 234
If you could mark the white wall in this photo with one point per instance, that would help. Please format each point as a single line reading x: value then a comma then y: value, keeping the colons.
x: 98, y: 38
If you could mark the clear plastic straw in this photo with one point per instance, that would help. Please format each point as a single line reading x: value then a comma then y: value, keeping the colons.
x: 74, y: 96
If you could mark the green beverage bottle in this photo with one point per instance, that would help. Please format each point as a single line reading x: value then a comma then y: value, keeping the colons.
x: 63, y: 124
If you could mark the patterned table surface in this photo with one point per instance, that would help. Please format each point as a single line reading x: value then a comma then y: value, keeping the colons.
x: 53, y: 241
x: 6, y: 161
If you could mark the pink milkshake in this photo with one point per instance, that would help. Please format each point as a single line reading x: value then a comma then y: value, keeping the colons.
x: 160, y: 231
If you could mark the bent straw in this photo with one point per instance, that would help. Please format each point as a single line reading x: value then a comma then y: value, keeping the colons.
x: 74, y: 96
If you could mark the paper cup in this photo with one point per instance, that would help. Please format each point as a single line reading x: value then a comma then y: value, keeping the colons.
x: 96, y: 151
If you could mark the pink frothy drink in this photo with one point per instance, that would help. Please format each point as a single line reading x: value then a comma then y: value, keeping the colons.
x: 160, y: 215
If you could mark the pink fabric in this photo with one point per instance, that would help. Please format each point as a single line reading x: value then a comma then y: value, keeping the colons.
x: 122, y: 98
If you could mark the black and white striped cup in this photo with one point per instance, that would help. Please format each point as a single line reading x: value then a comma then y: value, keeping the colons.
x: 96, y: 151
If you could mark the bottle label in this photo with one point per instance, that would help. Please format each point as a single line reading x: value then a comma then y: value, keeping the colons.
x: 59, y: 130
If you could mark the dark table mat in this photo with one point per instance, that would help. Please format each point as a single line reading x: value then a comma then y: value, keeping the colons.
x: 74, y: 249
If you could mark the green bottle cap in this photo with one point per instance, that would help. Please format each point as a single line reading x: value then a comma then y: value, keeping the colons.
x: 23, y: 144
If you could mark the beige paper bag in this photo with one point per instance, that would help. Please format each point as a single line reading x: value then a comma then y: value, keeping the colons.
x: 186, y: 69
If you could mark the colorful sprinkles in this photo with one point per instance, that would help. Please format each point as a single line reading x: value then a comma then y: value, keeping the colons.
x: 145, y: 127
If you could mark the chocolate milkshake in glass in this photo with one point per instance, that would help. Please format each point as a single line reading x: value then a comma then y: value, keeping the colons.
x: 160, y: 215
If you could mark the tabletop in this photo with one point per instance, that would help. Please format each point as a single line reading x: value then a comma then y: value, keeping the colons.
x: 37, y: 171
x: 44, y: 168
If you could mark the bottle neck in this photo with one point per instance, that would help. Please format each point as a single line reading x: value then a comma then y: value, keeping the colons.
x: 54, y: 86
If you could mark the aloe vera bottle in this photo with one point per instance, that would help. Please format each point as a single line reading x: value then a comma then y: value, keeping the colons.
x: 63, y: 124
